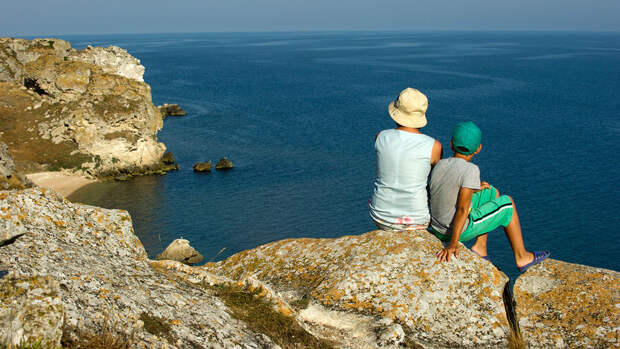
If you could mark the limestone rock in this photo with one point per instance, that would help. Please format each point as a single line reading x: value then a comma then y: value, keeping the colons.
x: 171, y: 110
x: 30, y: 311
x: 113, y: 60
x: 11, y: 226
x: 6, y: 160
x: 9, y: 177
x: 179, y: 250
x: 104, y: 274
x: 564, y: 305
x: 86, y: 110
x: 224, y: 164
x: 203, y: 166
x: 374, y: 285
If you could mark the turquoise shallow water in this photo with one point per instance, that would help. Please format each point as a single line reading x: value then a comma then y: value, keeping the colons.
x: 297, y: 113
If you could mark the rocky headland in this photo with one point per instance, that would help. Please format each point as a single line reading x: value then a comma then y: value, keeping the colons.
x: 85, y: 110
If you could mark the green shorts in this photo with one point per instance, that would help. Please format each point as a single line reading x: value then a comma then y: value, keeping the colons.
x: 487, y: 213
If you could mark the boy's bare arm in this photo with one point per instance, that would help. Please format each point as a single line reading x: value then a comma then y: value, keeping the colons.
x: 483, y: 185
x: 436, y: 153
x: 460, y: 217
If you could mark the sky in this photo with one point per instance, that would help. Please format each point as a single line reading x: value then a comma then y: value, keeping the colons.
x: 56, y: 17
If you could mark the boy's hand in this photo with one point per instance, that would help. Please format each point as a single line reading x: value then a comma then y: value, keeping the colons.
x: 484, y: 185
x: 444, y: 255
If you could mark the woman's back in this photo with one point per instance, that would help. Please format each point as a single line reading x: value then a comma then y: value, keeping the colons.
x: 403, y: 166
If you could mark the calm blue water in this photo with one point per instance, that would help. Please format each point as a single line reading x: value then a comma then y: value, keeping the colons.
x: 297, y: 114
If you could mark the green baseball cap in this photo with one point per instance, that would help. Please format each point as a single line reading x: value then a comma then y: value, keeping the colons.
x: 466, y: 138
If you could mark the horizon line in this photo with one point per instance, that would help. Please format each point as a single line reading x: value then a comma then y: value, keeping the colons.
x: 327, y: 31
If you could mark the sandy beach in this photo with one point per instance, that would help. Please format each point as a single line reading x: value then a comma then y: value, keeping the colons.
x: 63, y: 183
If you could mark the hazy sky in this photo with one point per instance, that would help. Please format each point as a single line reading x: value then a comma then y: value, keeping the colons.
x: 48, y: 17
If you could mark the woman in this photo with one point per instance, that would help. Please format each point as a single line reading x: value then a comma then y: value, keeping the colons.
x: 404, y: 160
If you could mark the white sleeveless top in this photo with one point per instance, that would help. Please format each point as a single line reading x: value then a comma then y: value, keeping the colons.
x: 403, y: 166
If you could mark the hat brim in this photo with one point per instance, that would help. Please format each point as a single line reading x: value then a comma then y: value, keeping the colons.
x: 415, y: 120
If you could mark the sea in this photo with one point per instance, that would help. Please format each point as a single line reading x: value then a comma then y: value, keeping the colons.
x: 297, y: 113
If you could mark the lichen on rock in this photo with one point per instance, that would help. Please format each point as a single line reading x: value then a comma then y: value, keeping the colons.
x: 381, y: 277
x: 104, y: 273
x: 565, y: 305
x: 31, y: 311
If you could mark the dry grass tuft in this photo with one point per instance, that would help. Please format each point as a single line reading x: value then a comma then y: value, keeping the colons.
x: 260, y: 316
x: 515, y: 340
x: 107, y: 338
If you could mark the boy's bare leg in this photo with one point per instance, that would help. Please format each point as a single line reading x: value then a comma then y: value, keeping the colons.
x: 514, y: 235
x: 480, y: 246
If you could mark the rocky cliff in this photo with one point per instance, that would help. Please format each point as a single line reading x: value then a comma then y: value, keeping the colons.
x: 78, y: 109
x: 76, y: 270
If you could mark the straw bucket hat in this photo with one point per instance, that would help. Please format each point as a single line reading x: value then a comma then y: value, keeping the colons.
x: 409, y: 109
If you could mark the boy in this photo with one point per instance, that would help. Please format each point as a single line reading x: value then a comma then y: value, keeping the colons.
x: 463, y: 208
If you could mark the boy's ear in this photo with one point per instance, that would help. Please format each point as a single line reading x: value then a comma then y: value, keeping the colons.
x: 479, y: 149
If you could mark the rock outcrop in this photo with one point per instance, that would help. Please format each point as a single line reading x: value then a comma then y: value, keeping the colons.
x: 77, y: 109
x: 224, y: 164
x: 564, y: 305
x: 168, y: 158
x: 31, y: 311
x: 104, y: 281
x: 168, y: 162
x: 180, y: 250
x: 203, y: 166
x: 378, y: 289
x: 171, y: 110
x: 9, y: 177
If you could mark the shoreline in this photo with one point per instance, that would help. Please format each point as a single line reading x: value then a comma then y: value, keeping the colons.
x: 63, y: 183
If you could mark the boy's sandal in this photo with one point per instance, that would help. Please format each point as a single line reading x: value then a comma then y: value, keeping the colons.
x: 539, y: 256
x: 486, y: 258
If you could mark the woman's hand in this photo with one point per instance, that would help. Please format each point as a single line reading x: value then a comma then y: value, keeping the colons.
x: 444, y: 255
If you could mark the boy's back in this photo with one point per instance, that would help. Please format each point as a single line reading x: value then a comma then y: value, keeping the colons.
x: 447, y: 178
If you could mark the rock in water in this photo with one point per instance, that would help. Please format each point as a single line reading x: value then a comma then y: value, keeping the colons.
x: 79, y: 109
x: 224, y: 164
x: 179, y: 250
x: 564, y: 305
x: 380, y: 288
x: 31, y: 310
x: 171, y: 110
x: 203, y: 166
x: 168, y: 158
x: 105, y: 277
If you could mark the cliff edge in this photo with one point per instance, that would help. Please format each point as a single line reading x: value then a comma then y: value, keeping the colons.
x: 88, y: 110
x: 68, y: 271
